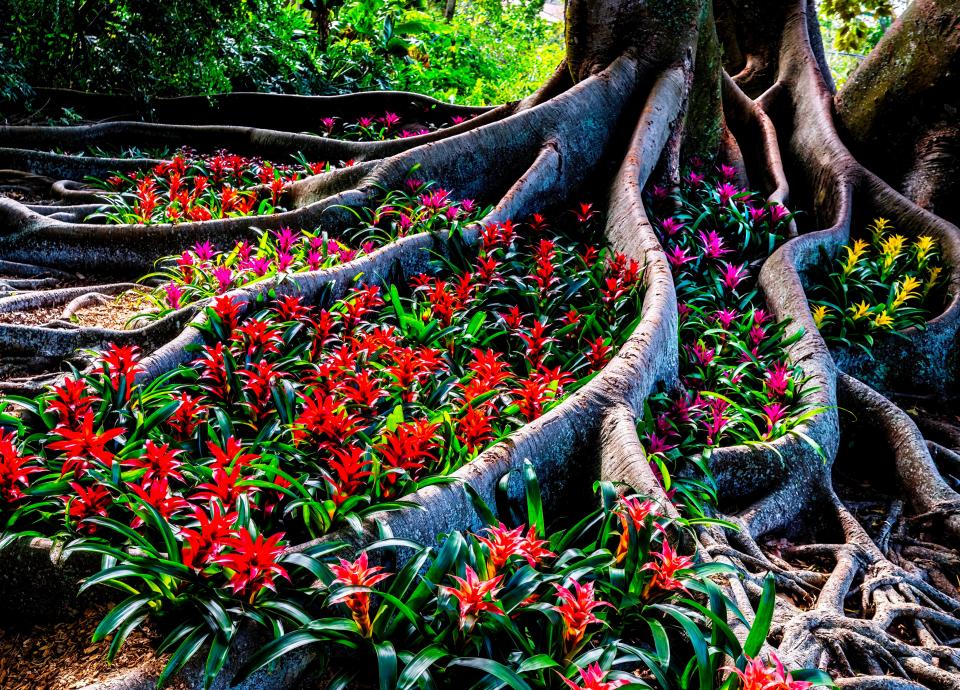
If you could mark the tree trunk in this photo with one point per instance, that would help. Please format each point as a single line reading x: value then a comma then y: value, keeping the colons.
x: 644, y: 85
x: 900, y: 110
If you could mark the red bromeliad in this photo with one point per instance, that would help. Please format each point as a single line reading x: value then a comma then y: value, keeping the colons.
x: 633, y: 513
x: 532, y: 395
x: 157, y: 495
x: 188, y: 416
x: 253, y: 562
x: 758, y: 676
x: 87, y: 502
x: 406, y: 450
x: 120, y: 364
x: 159, y: 462
x: 202, y: 545
x: 593, y: 679
x: 474, y: 597
x: 15, y: 469
x: 83, y: 445
x: 350, y: 468
x: 357, y: 574
x: 668, y: 563
x: 70, y: 401
x: 576, y: 609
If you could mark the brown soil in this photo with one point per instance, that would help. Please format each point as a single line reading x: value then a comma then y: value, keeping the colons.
x: 28, y: 198
x: 60, y: 656
x: 32, y: 317
x: 116, y: 313
x: 113, y: 314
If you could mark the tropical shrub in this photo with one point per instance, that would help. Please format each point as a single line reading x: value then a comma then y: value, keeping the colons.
x: 737, y: 384
x: 876, y: 286
x: 195, y: 187
x: 488, y: 53
x: 176, y: 47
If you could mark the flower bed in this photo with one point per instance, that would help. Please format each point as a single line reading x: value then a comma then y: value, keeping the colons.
x: 737, y: 385
x: 297, y: 416
x: 350, y: 403
x: 197, y: 187
x: 604, y: 601
x: 884, y: 285
x: 207, y: 271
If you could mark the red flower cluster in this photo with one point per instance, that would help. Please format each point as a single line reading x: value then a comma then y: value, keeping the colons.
x: 192, y: 187
x: 576, y: 609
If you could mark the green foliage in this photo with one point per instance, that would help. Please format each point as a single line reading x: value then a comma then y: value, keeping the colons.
x: 851, y: 29
x: 488, y: 53
x: 857, y: 21
x: 879, y: 286
x: 172, y: 46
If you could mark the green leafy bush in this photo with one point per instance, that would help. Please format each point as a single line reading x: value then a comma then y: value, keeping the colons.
x: 883, y: 285
x: 486, y: 54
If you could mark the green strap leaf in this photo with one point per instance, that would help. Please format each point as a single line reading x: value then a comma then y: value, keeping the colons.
x: 386, y: 665
x: 495, y: 669
x: 418, y: 666
x: 761, y: 623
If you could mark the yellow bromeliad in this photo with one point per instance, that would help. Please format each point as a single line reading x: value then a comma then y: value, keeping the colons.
x: 892, y: 245
x: 890, y: 250
x: 924, y: 246
x: 878, y: 227
x: 854, y: 254
x: 932, y: 279
x: 883, y: 320
x: 908, y: 288
x: 819, y: 314
x: 860, y: 310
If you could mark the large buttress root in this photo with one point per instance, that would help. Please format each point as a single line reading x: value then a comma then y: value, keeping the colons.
x: 899, y: 111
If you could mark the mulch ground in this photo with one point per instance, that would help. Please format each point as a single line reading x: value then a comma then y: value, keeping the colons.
x: 60, y: 656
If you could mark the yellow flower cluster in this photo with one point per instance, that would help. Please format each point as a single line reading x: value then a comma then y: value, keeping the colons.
x: 908, y: 288
x: 924, y: 246
x: 854, y: 254
x: 819, y: 314
x: 860, y: 310
x: 882, y: 282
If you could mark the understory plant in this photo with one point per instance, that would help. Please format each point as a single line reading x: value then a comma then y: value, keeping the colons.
x: 737, y: 384
x: 207, y: 270
x: 607, y: 600
x: 197, y: 187
x: 881, y: 285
